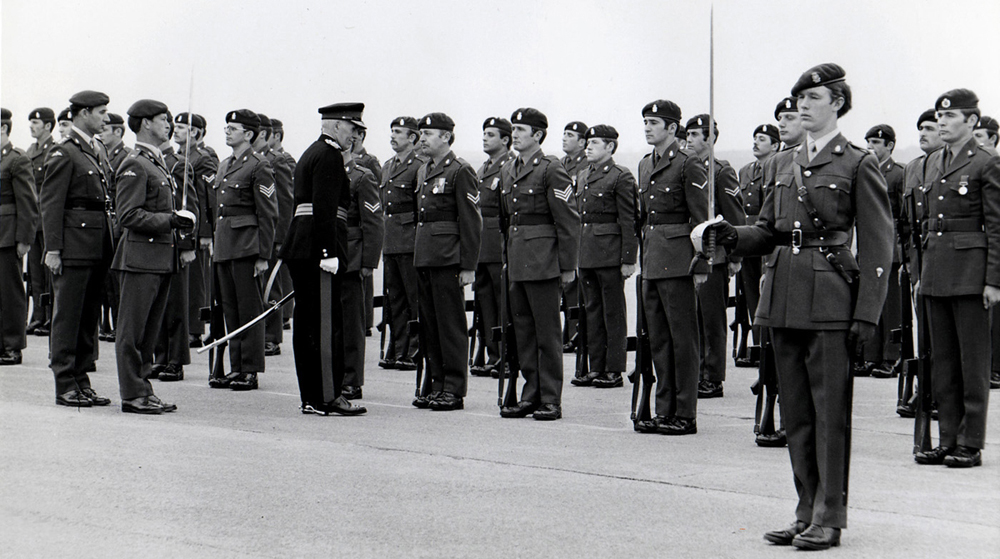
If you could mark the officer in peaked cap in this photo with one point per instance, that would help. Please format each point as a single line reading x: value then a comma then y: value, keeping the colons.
x: 543, y: 244
x: 41, y: 123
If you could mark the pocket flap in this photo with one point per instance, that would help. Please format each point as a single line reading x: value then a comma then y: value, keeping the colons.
x: 443, y: 227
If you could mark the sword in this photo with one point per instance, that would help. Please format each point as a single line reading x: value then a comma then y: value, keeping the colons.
x: 267, y: 312
x: 710, y: 241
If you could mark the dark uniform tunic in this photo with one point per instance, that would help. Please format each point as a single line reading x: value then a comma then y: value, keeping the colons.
x: 370, y: 162
x: 672, y: 195
x: 488, y: 284
x: 283, y: 184
x: 752, y: 193
x: 574, y: 165
x: 961, y: 256
x: 284, y: 276
x: 606, y: 195
x: 543, y: 241
x: 74, y: 203
x: 40, y: 277
x: 244, y: 231
x: 205, y: 165
x: 365, y: 232
x: 18, y: 222
x: 880, y: 349
x: 809, y: 306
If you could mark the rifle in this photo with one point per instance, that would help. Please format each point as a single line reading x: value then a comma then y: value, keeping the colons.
x: 477, y: 340
x: 741, y: 322
x: 641, y: 377
x: 216, y: 321
x: 922, y: 366
x: 423, y: 388
x: 381, y: 301
x: 765, y: 388
x: 580, y: 339
x: 904, y: 334
x: 510, y: 366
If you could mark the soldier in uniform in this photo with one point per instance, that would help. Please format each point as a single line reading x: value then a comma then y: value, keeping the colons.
x: 489, y: 283
x: 789, y: 125
x: 75, y: 206
x: 285, y: 214
x: 986, y: 131
x: 41, y: 123
x: 820, y: 304
x: 543, y: 245
x: 112, y: 137
x: 575, y: 161
x: 147, y: 254
x: 314, y: 249
x: 714, y: 293
x: 65, y: 123
x: 244, y: 237
x: 398, y: 188
x: 882, y: 356
x: 371, y: 163
x: 445, y: 254
x: 19, y: 211
x: 672, y: 195
x: 960, y: 277
x: 608, y: 245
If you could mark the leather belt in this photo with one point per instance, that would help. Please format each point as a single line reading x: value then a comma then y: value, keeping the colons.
x: 490, y: 212
x: 599, y: 218
x: 941, y: 225
x: 399, y: 209
x: 798, y: 238
x: 531, y: 219
x: 86, y: 204
x: 304, y: 209
x: 427, y: 217
x: 667, y: 219
x: 229, y: 211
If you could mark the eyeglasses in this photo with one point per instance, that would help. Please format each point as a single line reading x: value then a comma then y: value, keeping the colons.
x: 231, y: 129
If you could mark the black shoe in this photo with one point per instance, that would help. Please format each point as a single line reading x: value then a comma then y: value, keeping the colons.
x: 934, y: 456
x: 608, y: 380
x: 548, y: 412
x: 569, y: 347
x: 351, y: 392
x: 773, y: 440
x: 479, y: 371
x: 95, y: 400
x: 934, y: 412
x: 650, y: 425
x: 108, y: 336
x: 964, y: 457
x: 167, y: 408
x: 286, y: 325
x: 34, y: 325
x: 73, y: 399
x: 863, y: 368
x: 709, y: 389
x: 142, y: 405
x: 747, y: 363
x: 906, y: 410
x: 11, y: 357
x: 887, y: 369
x: 406, y: 365
x: 43, y: 330
x: 785, y: 536
x: 341, y: 406
x: 817, y: 538
x: 368, y: 332
x: 222, y: 382
x: 244, y: 381
x: 679, y: 426
x: 172, y: 373
x: 154, y: 373
x: 271, y: 349
x: 424, y: 402
x: 313, y: 409
x: 585, y: 380
x: 995, y: 379
x: 194, y: 341
x: 387, y: 363
x: 446, y: 401
x: 522, y: 409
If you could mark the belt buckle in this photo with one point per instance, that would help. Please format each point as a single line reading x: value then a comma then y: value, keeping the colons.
x: 938, y: 225
x: 796, y: 240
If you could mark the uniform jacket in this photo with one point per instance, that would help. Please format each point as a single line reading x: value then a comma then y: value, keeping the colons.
x: 449, y: 224
x: 805, y: 290
x: 398, y: 192
x: 574, y: 165
x: 894, y: 174
x: 606, y: 196
x: 370, y: 162
x: 539, y: 189
x: 18, y: 203
x: 247, y: 207
x: 320, y: 180
x: 675, y: 189
x: 365, y: 229
x: 286, y: 200
x: 206, y: 167
x: 116, y: 155
x: 489, y: 205
x: 145, y: 204
x: 74, y: 200
x: 174, y: 162
x: 752, y: 189
x: 912, y: 201
x: 728, y: 203
x: 961, y: 262
x: 37, y: 152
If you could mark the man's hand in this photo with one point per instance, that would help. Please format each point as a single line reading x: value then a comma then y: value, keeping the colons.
x: 859, y: 333
x: 330, y: 265
x: 465, y: 277
x: 181, y: 221
x: 366, y: 272
x: 628, y: 270
x: 53, y: 261
x: 567, y: 277
x: 22, y: 249
x: 725, y: 233
x: 259, y: 267
x: 991, y: 296
x: 699, y: 279
x: 205, y: 243
x: 734, y: 268
x: 187, y: 257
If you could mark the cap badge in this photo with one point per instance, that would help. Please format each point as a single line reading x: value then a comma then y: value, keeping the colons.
x: 493, y: 121
x: 816, y: 78
x: 945, y: 103
x: 401, y: 122
x: 699, y: 122
x: 655, y: 108
x: 518, y: 115
x: 232, y: 115
x: 788, y: 104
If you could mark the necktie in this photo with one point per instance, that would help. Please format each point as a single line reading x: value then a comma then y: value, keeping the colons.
x: 656, y: 158
x: 812, y: 150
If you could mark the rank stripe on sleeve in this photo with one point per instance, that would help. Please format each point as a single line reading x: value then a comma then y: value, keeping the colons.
x: 564, y: 194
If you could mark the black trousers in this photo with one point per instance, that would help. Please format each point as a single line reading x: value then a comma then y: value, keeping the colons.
x: 273, y: 324
x: 199, y: 286
x: 41, y: 281
x: 141, y: 311
x: 713, y: 324
x: 535, y: 306
x: 444, y: 328
x: 318, y: 331
x: 400, y: 279
x: 571, y: 294
x: 604, y: 296
x: 487, y: 287
x: 76, y: 312
x: 241, y: 303
x: 750, y: 279
x: 13, y: 300
x: 672, y: 322
x: 172, y: 343
x: 369, y: 295
x: 352, y: 303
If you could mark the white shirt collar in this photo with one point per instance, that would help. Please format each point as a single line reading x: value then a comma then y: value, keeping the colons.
x: 156, y: 151
x: 822, y: 141
x: 86, y: 137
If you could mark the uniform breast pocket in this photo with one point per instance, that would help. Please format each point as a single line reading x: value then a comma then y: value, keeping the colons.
x: 966, y: 197
x: 83, y: 234
x: 831, y: 293
x: 832, y: 191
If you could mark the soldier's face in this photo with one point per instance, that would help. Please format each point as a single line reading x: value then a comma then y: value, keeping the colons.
x: 929, y: 136
x: 236, y: 134
x: 982, y: 137
x: 656, y: 130
x: 763, y: 145
x: 954, y: 126
x: 818, y: 108
x: 696, y: 140
x: 36, y: 127
x: 64, y: 127
x: 108, y: 134
x: 181, y: 131
x: 790, y: 128
x: 94, y: 119
x: 399, y: 138
x: 434, y: 142
x: 879, y: 147
x: 492, y: 141
x: 159, y: 128
x: 523, y: 139
x: 598, y: 149
x: 572, y: 142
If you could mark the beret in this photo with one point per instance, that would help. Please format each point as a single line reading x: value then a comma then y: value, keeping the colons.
x: 929, y: 114
x: 530, y: 117
x: 987, y: 123
x: 197, y: 121
x: 246, y: 117
x: 277, y: 125
x: 576, y: 126
x: 44, y: 114
x: 407, y: 122
x: 824, y: 74
x: 662, y: 108
x: 602, y: 131
x: 437, y: 121
x: 350, y: 112
x: 265, y: 122
x: 145, y: 108
x: 882, y: 131
x: 681, y: 132
x: 5, y: 114
x: 64, y: 115
x: 768, y: 130
x: 957, y: 99
x: 786, y: 105
x: 88, y: 99
x: 116, y: 119
x: 501, y: 124
x: 700, y: 122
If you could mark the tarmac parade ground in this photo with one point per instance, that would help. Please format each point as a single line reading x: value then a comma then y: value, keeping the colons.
x: 246, y: 475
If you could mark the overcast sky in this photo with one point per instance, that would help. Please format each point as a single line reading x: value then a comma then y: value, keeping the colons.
x: 592, y: 60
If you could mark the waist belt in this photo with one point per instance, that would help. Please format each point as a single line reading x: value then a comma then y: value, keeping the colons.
x: 798, y: 238
x: 958, y: 224
x: 667, y: 219
x: 490, y: 212
x: 531, y: 219
x: 231, y: 212
x: 304, y: 209
x: 426, y: 216
x: 599, y: 218
x: 399, y: 209
x: 86, y: 204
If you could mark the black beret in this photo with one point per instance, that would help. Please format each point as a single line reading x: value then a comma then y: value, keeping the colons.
x: 769, y: 130
x: 5, y: 115
x: 681, y: 132
x: 277, y: 125
x: 667, y: 110
x: 198, y: 118
x: 700, y: 122
x: 786, y: 105
x: 501, y: 124
x: 145, y: 108
x: 987, y: 123
x: 882, y: 131
x: 246, y: 117
x: 116, y: 119
x: 957, y: 99
x: 265, y: 122
x: 602, y: 131
x: 530, y: 117
x: 824, y: 74
x: 350, y: 112
x: 576, y: 126
x: 89, y: 99
x: 437, y: 121
x: 407, y: 122
x: 929, y: 114
x: 197, y: 121
x: 64, y: 115
x: 43, y: 114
